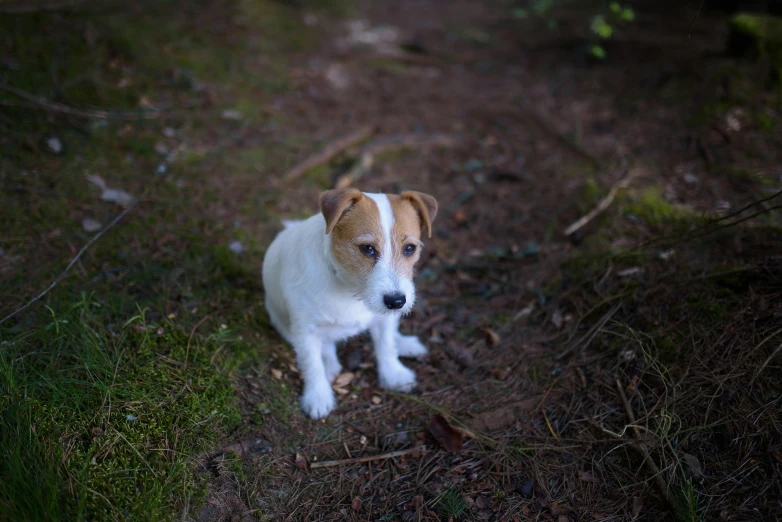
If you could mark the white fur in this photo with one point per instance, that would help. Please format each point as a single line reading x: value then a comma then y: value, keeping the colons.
x: 314, y: 303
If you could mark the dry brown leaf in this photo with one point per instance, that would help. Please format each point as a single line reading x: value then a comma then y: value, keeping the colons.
x: 301, y: 462
x: 492, y: 338
x: 343, y: 379
x: 277, y: 373
x: 445, y: 434
x: 340, y: 391
x: 356, y: 505
x: 638, y: 503
x: 376, y: 399
x: 695, y: 466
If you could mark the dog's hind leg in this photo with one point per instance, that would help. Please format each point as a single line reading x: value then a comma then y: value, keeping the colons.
x: 330, y: 360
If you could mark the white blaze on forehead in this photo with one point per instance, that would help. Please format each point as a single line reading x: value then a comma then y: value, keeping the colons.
x: 386, y: 222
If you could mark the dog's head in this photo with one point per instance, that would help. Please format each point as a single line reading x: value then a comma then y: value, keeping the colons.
x: 375, y: 243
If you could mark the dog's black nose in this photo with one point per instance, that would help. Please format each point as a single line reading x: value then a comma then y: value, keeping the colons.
x: 394, y: 301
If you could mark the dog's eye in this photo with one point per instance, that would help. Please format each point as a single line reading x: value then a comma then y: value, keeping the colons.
x: 408, y: 250
x: 368, y: 250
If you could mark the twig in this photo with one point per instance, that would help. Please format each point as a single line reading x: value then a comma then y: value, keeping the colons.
x: 34, y: 102
x: 763, y: 366
x: 387, y: 144
x: 189, y: 339
x: 604, y: 203
x: 73, y: 262
x: 661, y: 484
x: 328, y: 152
x: 591, y: 333
x: 548, y: 423
x: 568, y: 143
x: 370, y: 458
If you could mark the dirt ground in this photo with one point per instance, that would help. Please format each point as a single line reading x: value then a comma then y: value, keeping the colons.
x: 550, y: 437
x: 629, y: 371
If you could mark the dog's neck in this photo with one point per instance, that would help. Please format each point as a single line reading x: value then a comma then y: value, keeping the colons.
x: 329, y: 258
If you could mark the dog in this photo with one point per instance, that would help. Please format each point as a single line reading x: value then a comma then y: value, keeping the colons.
x: 341, y: 272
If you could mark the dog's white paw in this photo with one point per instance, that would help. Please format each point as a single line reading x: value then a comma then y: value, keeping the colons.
x: 318, y: 401
x: 410, y: 346
x: 397, y: 377
x: 333, y: 368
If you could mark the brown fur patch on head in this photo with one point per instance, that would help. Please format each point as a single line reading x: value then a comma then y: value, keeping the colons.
x: 406, y: 230
x: 358, y: 225
x: 425, y: 205
x: 334, y: 203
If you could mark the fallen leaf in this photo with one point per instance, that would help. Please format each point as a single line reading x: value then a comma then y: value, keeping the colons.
x: 340, y: 391
x: 343, y: 379
x: 277, y: 373
x: 695, y: 465
x: 376, y: 399
x: 638, y: 503
x: 459, y: 354
x: 586, y: 476
x: 356, y: 505
x: 557, y: 318
x: 492, y: 338
x: 445, y: 434
x: 301, y: 462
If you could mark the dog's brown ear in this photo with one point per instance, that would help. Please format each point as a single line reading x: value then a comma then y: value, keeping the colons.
x: 334, y: 203
x: 425, y: 205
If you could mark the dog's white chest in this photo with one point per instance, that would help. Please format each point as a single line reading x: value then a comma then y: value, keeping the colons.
x: 343, y: 318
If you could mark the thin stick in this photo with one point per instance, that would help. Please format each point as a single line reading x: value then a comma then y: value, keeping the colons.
x: 763, y: 366
x: 370, y: 458
x: 387, y: 144
x: 604, y: 203
x: 550, y: 428
x: 34, y: 102
x: 658, y: 477
x: 189, y: 339
x: 328, y: 152
x: 73, y: 262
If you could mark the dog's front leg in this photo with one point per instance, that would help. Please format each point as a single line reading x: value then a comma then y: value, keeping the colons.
x: 393, y: 375
x: 317, y: 399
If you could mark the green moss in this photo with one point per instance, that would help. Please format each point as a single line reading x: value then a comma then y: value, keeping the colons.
x: 651, y: 206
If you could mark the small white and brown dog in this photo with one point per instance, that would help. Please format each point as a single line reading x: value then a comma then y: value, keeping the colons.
x: 343, y: 271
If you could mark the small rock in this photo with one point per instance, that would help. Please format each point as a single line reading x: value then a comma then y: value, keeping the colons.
x: 231, y: 114
x: 354, y: 360
x: 54, y: 145
x: 376, y: 399
x: 161, y: 169
x: 169, y: 132
x: 473, y: 164
x: 90, y: 225
x: 161, y: 148
x: 236, y: 247
x: 691, y: 179
x: 337, y: 76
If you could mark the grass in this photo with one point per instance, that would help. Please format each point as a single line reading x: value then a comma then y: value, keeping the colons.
x: 100, y: 415
x: 114, y: 384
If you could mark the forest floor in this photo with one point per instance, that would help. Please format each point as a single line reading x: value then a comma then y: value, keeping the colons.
x: 631, y: 370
